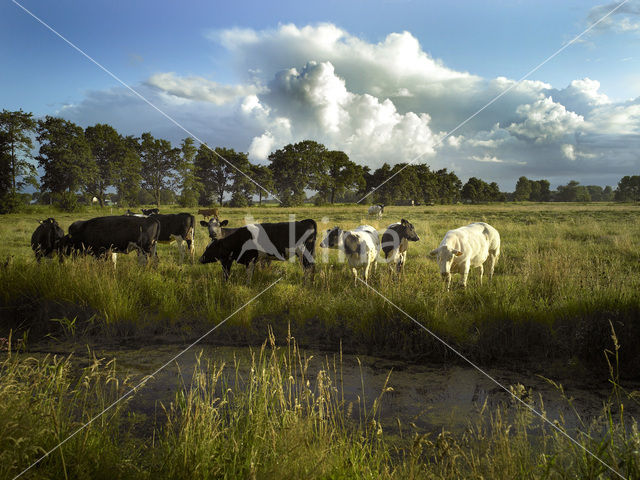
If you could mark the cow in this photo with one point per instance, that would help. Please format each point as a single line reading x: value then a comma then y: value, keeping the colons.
x: 46, y: 239
x: 208, y: 212
x: 178, y: 227
x: 129, y: 213
x: 150, y: 211
x: 395, y: 242
x: 360, y: 245
x: 108, y: 236
x: 467, y: 247
x: 215, y: 228
x: 278, y: 241
x: 376, y: 210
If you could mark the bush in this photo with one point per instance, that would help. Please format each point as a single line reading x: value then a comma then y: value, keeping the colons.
x: 67, y: 202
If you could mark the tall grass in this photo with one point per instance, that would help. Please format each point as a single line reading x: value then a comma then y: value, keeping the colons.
x: 279, y: 421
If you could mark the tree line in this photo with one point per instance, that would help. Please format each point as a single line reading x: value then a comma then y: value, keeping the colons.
x: 99, y: 163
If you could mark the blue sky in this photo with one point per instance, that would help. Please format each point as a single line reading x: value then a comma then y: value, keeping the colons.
x: 381, y: 80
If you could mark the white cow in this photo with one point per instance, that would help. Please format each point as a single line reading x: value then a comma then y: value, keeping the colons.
x: 467, y: 247
x: 376, y: 210
x: 360, y: 245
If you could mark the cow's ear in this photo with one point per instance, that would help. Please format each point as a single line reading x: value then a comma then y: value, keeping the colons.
x: 224, y: 222
x: 433, y: 252
x: 457, y: 253
x: 403, y: 222
x: 204, y: 224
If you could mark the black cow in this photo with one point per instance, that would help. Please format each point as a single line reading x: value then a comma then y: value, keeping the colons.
x: 395, y: 242
x: 150, y: 211
x: 102, y: 236
x: 46, y: 239
x: 278, y: 241
x: 178, y: 227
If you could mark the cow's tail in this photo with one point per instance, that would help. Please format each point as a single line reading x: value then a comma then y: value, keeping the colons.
x: 351, y: 244
x: 191, y: 237
x: 309, y: 255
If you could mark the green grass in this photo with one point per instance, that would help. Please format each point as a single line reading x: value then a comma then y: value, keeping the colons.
x: 566, y: 271
x: 276, y: 422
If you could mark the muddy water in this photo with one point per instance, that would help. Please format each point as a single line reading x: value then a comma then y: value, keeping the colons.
x: 431, y: 397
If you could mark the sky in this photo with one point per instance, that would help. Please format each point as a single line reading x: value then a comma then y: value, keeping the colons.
x: 382, y: 80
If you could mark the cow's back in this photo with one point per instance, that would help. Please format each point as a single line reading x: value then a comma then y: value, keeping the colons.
x: 115, y: 233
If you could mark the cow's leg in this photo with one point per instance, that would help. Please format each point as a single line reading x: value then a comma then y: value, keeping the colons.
x: 481, y: 273
x: 465, y: 273
x: 250, y: 268
x: 354, y: 270
x: 366, y: 272
x: 114, y: 258
x: 226, y: 269
x: 492, y: 263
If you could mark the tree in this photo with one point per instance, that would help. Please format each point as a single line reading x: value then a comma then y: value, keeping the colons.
x: 64, y: 155
x: 214, y: 173
x: 342, y: 175
x: 595, y: 192
x: 127, y: 176
x: 449, y: 186
x: 523, y: 190
x: 242, y: 186
x: 264, y: 177
x: 628, y: 189
x: 188, y: 183
x: 607, y: 194
x: 159, y: 160
x: 15, y: 153
x: 295, y: 168
x: 572, y: 192
x: 107, y: 147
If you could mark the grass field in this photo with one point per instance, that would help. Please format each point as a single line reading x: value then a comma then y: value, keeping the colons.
x: 568, y: 274
x: 565, y: 273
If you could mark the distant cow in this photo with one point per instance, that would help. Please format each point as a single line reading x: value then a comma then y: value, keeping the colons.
x: 395, y: 242
x: 278, y: 241
x: 467, y: 247
x: 46, y: 239
x: 129, y: 213
x: 103, y: 236
x: 208, y: 212
x: 360, y: 245
x: 150, y: 211
x: 178, y: 227
x: 376, y: 210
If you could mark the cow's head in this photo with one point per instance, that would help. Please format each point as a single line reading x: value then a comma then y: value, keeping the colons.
x: 52, y: 233
x: 212, y: 253
x: 445, y: 257
x: 332, y: 238
x: 215, y: 227
x: 408, y: 231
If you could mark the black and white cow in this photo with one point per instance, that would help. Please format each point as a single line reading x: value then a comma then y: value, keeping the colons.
x: 150, y: 211
x: 395, y: 242
x: 178, y: 227
x: 278, y: 241
x: 216, y: 228
x: 376, y: 210
x: 360, y: 246
x: 104, y: 236
x: 46, y: 239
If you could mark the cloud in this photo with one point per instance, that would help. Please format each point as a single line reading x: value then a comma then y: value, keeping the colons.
x: 198, y: 88
x: 624, y: 19
x: 387, y: 101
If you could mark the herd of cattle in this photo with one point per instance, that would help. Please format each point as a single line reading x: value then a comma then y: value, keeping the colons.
x: 361, y: 248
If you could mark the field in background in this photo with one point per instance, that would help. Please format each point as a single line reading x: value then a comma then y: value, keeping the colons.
x: 566, y: 273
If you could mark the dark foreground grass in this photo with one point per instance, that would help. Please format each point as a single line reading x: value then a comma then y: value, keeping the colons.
x: 566, y: 272
x: 279, y: 422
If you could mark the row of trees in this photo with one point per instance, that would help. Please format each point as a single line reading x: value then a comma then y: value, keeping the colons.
x: 101, y: 163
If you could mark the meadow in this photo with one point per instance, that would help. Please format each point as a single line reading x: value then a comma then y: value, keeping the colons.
x: 567, y: 271
x: 567, y: 279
